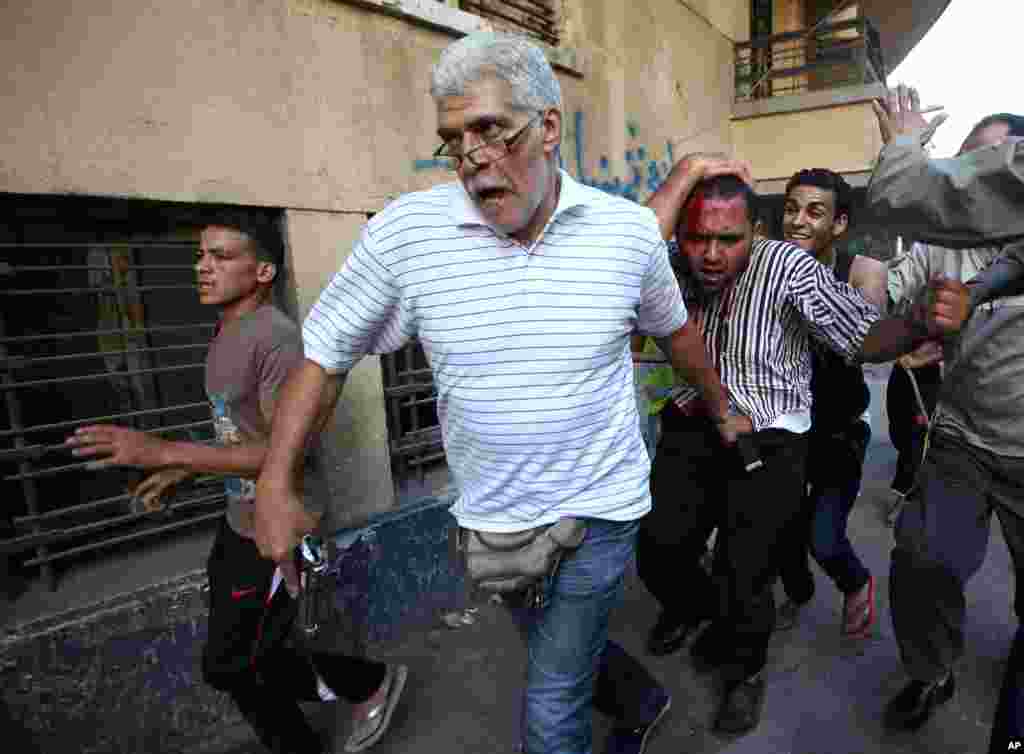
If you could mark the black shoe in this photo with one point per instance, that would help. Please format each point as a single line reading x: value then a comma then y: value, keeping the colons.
x: 741, y: 709
x: 914, y: 705
x: 634, y: 740
x: 708, y: 652
x: 669, y: 634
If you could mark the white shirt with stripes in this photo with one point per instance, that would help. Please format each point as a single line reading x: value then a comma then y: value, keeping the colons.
x: 529, y: 346
x: 757, y: 332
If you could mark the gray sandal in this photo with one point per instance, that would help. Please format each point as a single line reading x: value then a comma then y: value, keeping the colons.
x: 369, y: 730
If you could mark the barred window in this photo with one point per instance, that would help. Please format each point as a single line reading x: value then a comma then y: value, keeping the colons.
x: 535, y: 18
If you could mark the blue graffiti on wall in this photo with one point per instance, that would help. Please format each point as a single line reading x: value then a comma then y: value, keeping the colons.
x: 646, y: 171
x: 430, y: 164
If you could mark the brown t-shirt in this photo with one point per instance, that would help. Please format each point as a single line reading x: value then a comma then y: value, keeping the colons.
x: 248, y: 361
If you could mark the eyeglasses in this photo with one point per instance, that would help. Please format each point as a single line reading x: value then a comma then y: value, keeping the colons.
x: 486, y: 152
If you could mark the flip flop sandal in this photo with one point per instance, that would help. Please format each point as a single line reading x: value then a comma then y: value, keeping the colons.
x: 369, y: 730
x: 866, y: 610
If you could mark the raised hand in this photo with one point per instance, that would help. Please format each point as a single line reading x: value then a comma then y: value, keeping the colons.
x: 901, y: 113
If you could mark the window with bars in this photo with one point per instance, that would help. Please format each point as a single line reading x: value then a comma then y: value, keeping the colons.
x: 99, y: 323
x: 535, y: 18
x: 414, y: 431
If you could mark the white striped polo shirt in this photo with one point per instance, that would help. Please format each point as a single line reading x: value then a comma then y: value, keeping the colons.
x: 529, y: 347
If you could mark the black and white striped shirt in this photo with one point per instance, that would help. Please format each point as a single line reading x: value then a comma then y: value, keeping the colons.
x: 757, y: 331
x: 529, y: 347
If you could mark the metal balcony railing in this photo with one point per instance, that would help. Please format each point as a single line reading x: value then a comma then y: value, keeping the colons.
x: 829, y: 56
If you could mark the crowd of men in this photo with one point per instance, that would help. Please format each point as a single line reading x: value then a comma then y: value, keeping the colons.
x: 524, y: 288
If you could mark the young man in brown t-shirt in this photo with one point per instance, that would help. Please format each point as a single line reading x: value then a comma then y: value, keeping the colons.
x: 254, y: 349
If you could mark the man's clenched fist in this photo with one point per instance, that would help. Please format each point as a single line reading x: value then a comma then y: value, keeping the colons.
x: 949, y: 304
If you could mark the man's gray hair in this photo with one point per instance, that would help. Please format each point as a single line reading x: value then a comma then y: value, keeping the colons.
x: 506, y: 57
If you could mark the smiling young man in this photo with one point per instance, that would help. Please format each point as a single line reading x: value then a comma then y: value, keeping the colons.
x: 246, y: 654
x: 816, y: 214
x: 523, y: 287
x: 757, y: 304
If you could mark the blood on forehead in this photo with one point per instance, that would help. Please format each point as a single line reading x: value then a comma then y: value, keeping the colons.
x: 715, y: 214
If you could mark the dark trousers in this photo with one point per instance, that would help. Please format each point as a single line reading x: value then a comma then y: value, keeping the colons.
x: 1008, y: 726
x: 906, y: 426
x: 941, y: 538
x: 17, y: 737
x: 835, y: 462
x: 249, y: 653
x: 699, y: 484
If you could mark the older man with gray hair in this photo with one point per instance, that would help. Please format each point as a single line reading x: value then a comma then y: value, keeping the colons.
x: 523, y: 287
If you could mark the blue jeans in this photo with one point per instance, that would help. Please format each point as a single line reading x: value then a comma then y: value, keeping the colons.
x: 834, y: 466
x: 571, y: 663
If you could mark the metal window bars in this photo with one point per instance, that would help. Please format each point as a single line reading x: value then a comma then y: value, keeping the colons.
x: 95, y: 331
x: 535, y: 18
x: 827, y: 56
x: 410, y: 396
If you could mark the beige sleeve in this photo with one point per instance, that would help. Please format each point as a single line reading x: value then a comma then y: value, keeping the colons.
x: 970, y: 200
x: 907, y: 277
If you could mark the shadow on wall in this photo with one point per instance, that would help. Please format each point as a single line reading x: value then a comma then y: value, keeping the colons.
x: 646, y: 169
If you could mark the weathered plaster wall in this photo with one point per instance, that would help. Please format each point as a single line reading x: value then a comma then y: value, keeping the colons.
x: 813, y: 138
x: 657, y: 85
x: 356, y: 447
x: 731, y: 18
x: 243, y: 101
x: 307, y: 104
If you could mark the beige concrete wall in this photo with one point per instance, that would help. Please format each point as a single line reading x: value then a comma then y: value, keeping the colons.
x: 844, y: 139
x: 310, y: 104
x: 356, y: 447
x: 730, y: 17
x: 658, y: 84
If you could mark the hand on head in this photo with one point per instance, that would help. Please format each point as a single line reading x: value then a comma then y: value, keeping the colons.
x: 704, y: 165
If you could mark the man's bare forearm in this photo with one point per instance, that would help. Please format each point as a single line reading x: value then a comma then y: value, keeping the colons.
x: 869, y: 276
x: 685, y: 349
x: 890, y: 338
x: 667, y: 202
x: 244, y: 459
x: 303, y: 407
